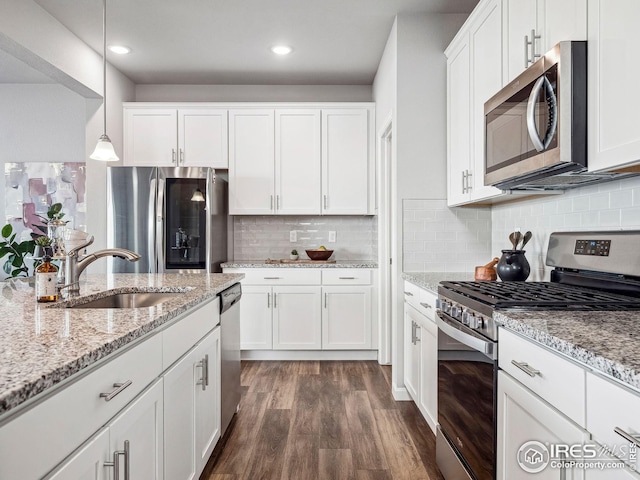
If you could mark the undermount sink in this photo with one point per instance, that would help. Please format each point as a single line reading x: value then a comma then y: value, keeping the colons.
x: 128, y: 300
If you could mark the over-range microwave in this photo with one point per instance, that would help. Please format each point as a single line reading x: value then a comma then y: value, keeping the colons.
x: 536, y: 126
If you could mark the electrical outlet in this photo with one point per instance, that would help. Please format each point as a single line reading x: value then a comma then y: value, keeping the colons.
x: 332, y: 236
x: 293, y: 236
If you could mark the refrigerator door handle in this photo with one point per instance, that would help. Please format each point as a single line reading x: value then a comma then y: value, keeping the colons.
x: 159, y: 230
x: 151, y: 240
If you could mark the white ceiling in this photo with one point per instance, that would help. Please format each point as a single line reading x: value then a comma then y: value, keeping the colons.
x: 336, y: 42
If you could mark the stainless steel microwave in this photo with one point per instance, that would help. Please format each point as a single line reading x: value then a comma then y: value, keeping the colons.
x: 536, y: 126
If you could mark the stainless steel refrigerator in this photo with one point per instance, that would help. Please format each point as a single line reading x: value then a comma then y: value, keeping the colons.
x: 176, y: 218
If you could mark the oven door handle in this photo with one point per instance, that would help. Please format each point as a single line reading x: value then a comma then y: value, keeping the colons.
x: 466, y: 336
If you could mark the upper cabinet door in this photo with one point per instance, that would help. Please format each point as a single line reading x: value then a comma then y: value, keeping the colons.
x: 251, y: 162
x: 297, y: 178
x: 520, y: 18
x: 346, y: 165
x: 202, y: 138
x: 150, y: 137
x: 561, y: 20
x: 613, y: 72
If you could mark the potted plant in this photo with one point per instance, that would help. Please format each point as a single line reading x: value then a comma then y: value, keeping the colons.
x: 14, y: 265
x: 294, y: 254
x: 43, y: 246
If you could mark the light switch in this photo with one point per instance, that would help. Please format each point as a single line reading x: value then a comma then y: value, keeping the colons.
x: 293, y: 236
x: 332, y: 236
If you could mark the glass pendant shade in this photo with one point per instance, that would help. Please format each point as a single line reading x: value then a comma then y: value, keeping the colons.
x: 104, y: 150
x: 198, y: 196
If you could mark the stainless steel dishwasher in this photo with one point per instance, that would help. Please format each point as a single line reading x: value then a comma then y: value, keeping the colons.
x: 230, y: 354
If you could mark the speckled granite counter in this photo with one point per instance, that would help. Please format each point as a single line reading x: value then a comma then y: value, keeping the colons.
x: 430, y: 280
x: 608, y: 342
x: 41, y: 345
x: 338, y: 264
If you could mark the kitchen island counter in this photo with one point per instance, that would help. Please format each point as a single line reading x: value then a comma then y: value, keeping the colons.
x: 605, y: 341
x: 299, y: 264
x: 41, y: 345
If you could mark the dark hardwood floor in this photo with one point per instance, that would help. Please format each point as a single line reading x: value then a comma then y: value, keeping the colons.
x: 326, y: 421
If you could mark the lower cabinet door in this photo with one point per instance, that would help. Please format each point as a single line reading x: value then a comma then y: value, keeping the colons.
x: 139, y: 426
x: 346, y: 318
x: 88, y: 462
x: 179, y: 417
x: 612, y: 469
x: 255, y: 318
x: 296, y: 318
x: 207, y: 399
x: 411, y: 353
x: 429, y: 372
x: 526, y: 426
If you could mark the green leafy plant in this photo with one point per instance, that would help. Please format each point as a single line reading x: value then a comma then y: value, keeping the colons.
x: 15, y: 252
x: 43, y: 241
x: 294, y: 252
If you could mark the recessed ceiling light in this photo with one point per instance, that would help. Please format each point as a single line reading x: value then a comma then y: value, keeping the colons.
x: 281, y: 49
x: 119, y: 49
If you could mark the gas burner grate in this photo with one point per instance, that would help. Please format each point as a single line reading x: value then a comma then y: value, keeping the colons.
x: 541, y: 295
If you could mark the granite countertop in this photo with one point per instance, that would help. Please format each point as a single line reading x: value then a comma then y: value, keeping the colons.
x: 42, y: 344
x: 607, y: 342
x: 430, y: 280
x: 337, y: 264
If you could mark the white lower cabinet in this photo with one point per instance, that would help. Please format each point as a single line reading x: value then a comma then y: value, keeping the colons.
x: 524, y: 417
x: 192, y: 409
x: 133, y: 438
x: 307, y: 309
x: 296, y: 318
x: 421, y: 351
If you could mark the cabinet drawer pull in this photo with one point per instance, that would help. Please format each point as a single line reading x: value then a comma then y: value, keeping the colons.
x: 635, y: 439
x: 116, y: 462
x: 526, y: 368
x: 408, y: 294
x: 346, y: 278
x: 425, y: 305
x: 271, y: 278
x: 119, y: 387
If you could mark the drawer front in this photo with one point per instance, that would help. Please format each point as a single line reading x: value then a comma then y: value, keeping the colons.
x: 278, y: 276
x: 412, y: 294
x: 33, y: 442
x: 558, y: 381
x: 186, y: 332
x: 346, y: 276
x: 427, y: 304
x: 610, y: 406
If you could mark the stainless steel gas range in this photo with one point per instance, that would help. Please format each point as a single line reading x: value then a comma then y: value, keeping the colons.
x: 592, y: 271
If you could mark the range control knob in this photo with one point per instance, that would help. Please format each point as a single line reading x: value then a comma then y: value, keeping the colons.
x: 476, y: 322
x: 446, y: 307
x: 456, y: 311
x: 438, y: 304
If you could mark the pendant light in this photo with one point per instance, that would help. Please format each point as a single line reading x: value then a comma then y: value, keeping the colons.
x: 198, y: 196
x: 104, y: 149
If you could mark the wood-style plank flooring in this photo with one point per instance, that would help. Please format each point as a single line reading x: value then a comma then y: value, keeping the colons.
x: 324, y: 420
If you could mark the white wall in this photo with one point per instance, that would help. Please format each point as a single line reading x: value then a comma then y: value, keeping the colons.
x: 608, y: 206
x: 253, y: 93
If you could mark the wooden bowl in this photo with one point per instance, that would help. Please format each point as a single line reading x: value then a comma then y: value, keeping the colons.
x: 319, y: 254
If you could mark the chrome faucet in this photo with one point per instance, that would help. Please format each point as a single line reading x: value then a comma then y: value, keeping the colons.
x: 74, y: 265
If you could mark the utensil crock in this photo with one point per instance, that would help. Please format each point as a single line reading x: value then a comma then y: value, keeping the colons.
x: 513, y: 266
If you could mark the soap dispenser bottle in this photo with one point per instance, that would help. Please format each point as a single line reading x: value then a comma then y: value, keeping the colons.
x: 46, y: 281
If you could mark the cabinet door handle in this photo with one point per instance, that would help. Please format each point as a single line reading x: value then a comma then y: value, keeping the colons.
x: 526, y: 368
x: 425, y: 305
x: 173, y: 155
x: 119, y: 387
x: 532, y: 42
x: 277, y: 202
x: 275, y: 300
x: 181, y: 157
x: 408, y: 294
x: 268, y: 300
x: 325, y: 299
x: 469, y: 186
x: 204, y: 378
x: 464, y: 177
x: 271, y: 202
x: 635, y: 439
x: 346, y: 278
x: 324, y: 202
x: 116, y: 462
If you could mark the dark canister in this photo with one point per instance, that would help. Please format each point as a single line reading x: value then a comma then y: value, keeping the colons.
x: 513, y: 266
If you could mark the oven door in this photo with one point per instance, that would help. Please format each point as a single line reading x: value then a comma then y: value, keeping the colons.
x: 467, y: 380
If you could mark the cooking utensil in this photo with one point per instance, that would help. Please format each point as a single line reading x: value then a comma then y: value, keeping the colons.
x: 515, y: 238
x: 525, y: 239
x: 486, y: 272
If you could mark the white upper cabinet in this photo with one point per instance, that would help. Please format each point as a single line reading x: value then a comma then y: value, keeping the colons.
x: 533, y: 27
x: 346, y: 162
x: 175, y: 137
x: 251, y: 162
x: 474, y: 66
x: 613, y: 101
x: 202, y: 138
x: 297, y: 178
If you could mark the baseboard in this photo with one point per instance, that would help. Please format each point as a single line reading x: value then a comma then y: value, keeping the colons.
x: 400, y: 394
x: 309, y: 354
